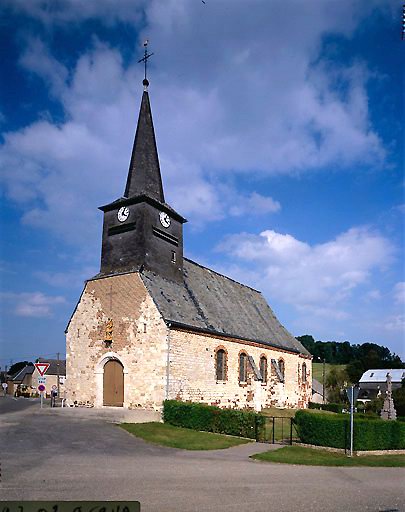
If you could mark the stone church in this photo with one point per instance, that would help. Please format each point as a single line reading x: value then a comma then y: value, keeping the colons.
x: 154, y: 324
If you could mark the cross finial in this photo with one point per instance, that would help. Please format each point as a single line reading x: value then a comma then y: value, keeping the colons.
x: 145, y: 61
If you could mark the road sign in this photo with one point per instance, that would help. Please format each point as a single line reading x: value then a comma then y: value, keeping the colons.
x: 355, y: 394
x: 41, y: 388
x: 42, y: 380
x: 42, y: 368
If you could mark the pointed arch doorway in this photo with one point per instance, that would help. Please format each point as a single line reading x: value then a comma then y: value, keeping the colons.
x: 113, y: 383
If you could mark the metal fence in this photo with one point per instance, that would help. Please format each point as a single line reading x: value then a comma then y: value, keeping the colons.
x: 278, y: 430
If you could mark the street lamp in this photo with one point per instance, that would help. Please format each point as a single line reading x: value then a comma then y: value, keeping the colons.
x: 323, y: 378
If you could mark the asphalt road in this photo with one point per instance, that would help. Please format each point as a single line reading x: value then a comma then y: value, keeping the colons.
x: 47, y: 455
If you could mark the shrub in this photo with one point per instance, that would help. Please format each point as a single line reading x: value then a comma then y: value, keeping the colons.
x: 333, y: 407
x: 213, y: 419
x: 366, y: 416
x: 375, y: 405
x: 334, y: 431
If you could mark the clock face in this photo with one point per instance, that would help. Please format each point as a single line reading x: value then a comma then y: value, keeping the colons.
x: 123, y: 213
x: 164, y: 219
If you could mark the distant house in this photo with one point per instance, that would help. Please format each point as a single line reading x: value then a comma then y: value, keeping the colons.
x: 56, y: 369
x: 373, y: 383
x: 317, y: 392
x: 22, y: 380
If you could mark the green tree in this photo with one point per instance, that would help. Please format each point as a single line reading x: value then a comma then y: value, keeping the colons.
x: 354, y: 371
x: 335, y: 382
x: 16, y: 367
x: 398, y: 396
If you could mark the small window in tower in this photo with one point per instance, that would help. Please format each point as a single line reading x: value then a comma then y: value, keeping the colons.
x: 144, y: 328
x: 173, y: 257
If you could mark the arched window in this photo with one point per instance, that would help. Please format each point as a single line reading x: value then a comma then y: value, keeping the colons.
x: 281, y: 367
x: 263, y: 368
x: 242, y: 367
x: 304, y: 372
x: 220, y: 364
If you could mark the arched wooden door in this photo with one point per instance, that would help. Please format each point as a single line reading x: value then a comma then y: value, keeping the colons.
x: 113, y: 384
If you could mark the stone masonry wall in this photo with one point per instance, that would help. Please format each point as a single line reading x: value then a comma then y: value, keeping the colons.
x: 139, y: 343
x: 193, y: 377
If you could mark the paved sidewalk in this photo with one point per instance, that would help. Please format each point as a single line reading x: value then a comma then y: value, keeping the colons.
x: 109, y: 414
x: 75, y: 455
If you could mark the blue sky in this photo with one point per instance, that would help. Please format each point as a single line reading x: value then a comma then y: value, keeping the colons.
x: 279, y: 129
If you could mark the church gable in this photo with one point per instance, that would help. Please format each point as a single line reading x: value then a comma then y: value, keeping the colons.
x: 116, y: 319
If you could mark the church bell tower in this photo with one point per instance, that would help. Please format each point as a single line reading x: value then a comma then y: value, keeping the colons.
x: 140, y: 230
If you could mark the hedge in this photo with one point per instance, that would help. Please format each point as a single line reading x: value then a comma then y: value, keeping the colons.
x: 327, y: 407
x: 334, y: 431
x: 213, y: 419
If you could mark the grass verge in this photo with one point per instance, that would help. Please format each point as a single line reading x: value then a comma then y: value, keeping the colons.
x: 311, y: 457
x: 279, y: 413
x: 177, y: 437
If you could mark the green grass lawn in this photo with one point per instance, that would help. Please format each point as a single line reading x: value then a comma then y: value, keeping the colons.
x: 317, y: 369
x: 177, y: 437
x: 312, y: 457
x: 280, y: 413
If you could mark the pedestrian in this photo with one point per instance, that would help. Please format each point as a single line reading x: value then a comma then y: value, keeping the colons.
x: 4, y: 386
x: 54, y: 394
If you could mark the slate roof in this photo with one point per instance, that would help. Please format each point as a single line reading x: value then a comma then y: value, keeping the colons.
x: 19, y: 376
x: 144, y: 171
x: 214, y: 303
x: 317, y: 387
x: 53, y: 368
x: 377, y: 376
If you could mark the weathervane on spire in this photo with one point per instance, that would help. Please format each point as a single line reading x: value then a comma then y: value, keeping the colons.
x: 145, y: 61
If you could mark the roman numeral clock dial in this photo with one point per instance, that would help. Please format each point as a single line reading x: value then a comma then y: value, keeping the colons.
x: 164, y: 219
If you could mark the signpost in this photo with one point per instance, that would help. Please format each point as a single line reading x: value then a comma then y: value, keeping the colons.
x: 352, y: 394
x: 42, y: 369
x: 41, y: 389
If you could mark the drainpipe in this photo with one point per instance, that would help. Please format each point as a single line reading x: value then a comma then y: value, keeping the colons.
x: 168, y: 361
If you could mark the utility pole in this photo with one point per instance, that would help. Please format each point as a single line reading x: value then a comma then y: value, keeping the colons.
x: 351, y: 419
x: 323, y: 380
x: 57, y: 373
x: 323, y: 376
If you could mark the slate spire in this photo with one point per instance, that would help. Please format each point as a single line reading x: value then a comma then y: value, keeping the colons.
x: 144, y: 171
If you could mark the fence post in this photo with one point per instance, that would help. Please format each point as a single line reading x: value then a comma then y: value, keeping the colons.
x: 345, y: 436
x: 256, y: 430
x: 291, y: 429
x: 273, y: 428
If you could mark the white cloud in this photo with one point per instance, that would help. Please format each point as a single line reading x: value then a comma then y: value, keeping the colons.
x: 399, y: 292
x: 396, y: 323
x: 216, y: 114
x: 71, y: 279
x: 35, y: 304
x: 373, y: 295
x: 317, y: 278
x: 253, y: 204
